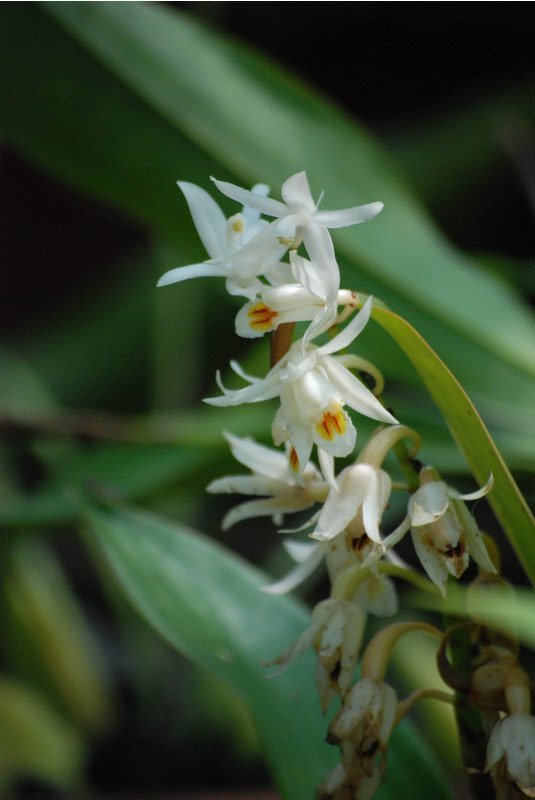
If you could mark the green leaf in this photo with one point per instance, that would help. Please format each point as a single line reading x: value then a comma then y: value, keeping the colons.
x: 52, y: 635
x: 35, y: 741
x: 207, y: 603
x: 133, y: 471
x: 471, y: 436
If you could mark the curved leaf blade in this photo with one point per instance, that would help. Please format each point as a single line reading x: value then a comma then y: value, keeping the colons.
x: 470, y: 434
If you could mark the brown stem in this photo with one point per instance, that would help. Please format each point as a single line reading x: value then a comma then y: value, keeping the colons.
x: 92, y: 424
x: 281, y: 339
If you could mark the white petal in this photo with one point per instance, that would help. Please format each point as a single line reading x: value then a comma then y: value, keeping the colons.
x: 430, y: 561
x: 282, y: 504
x: 347, y: 216
x: 273, y: 208
x: 305, y: 526
x: 320, y: 248
x: 258, y: 458
x: 301, y: 439
x: 312, y: 394
x: 279, y: 274
x: 288, y: 225
x: 290, y: 298
x: 351, y: 361
x: 297, y: 575
x: 246, y: 484
x: 238, y: 287
x: 299, y: 551
x: 341, y: 444
x: 474, y: 539
x: 378, y: 596
x: 242, y: 323
x: 351, y: 331
x: 473, y: 495
x: 353, y: 634
x: 204, y: 270
x: 354, y: 393
x: 208, y: 218
x: 251, y: 215
x: 305, y: 274
x: 296, y: 193
x: 238, y: 370
x: 495, y: 749
x: 375, y: 502
x: 394, y: 538
x: 341, y: 507
x: 321, y: 322
x: 299, y: 432
x: 261, y: 390
x: 519, y: 742
x: 428, y: 503
x: 327, y: 468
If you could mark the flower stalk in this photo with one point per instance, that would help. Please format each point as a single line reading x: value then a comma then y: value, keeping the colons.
x: 286, y: 269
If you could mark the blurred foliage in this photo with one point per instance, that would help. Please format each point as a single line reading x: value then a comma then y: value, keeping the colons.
x: 104, y: 106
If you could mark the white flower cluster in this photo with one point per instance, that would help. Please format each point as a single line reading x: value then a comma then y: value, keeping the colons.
x: 315, y: 384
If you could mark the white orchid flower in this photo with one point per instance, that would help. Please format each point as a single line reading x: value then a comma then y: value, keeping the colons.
x: 512, y: 742
x: 241, y: 248
x: 444, y: 533
x: 298, y: 214
x: 314, y: 296
x: 360, y: 488
x: 272, y: 479
x: 375, y: 595
x: 288, y: 303
x: 313, y: 389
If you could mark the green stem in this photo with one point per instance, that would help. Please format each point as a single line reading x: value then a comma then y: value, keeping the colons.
x: 351, y: 578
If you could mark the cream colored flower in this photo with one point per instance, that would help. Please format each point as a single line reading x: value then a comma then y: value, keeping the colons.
x: 281, y: 488
x: 444, y: 533
x: 314, y: 386
x: 512, y: 747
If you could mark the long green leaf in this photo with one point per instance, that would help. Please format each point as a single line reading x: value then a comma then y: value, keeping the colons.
x: 35, y: 741
x: 470, y: 434
x: 208, y: 604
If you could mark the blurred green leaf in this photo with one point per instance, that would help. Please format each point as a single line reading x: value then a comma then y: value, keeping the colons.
x: 133, y: 471
x: 510, y: 611
x: 21, y: 390
x: 52, y: 632
x: 99, y: 350
x: 471, y: 436
x: 440, y: 157
x: 231, y: 628
x: 35, y: 741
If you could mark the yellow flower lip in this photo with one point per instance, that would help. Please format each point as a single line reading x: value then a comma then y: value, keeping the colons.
x: 294, y: 460
x: 333, y: 423
x: 261, y: 317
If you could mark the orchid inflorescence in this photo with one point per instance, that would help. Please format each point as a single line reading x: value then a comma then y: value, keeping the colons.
x: 315, y: 382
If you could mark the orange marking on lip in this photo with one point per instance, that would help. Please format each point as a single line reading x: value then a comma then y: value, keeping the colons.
x: 294, y: 461
x: 261, y: 317
x: 332, y: 424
